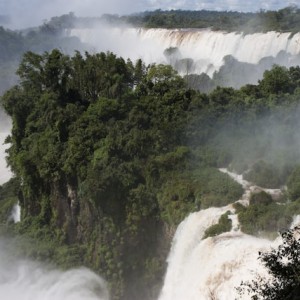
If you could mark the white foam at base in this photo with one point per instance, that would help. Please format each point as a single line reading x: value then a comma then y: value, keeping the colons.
x: 198, y: 269
x: 22, y: 279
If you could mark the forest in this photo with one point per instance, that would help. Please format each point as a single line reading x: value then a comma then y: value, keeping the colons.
x: 283, y: 20
x: 110, y: 155
x: 286, y: 19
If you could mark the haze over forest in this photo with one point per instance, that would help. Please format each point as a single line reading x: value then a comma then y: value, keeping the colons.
x: 184, y: 145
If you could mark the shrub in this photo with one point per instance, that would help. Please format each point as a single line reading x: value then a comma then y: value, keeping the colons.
x: 223, y: 225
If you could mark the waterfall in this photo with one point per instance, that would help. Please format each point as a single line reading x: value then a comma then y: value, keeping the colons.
x: 16, y: 213
x: 212, y: 268
x: 205, y: 47
x: 5, y: 173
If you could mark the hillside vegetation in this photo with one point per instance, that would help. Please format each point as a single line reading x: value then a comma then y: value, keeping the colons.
x: 110, y: 155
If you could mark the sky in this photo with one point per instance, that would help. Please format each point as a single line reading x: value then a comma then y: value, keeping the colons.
x: 26, y: 13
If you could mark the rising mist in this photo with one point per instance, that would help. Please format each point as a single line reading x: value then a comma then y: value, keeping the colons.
x: 23, y: 279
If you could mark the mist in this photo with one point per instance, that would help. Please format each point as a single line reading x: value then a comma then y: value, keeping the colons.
x: 229, y: 59
x: 270, y: 140
x: 20, y: 14
x: 24, y: 279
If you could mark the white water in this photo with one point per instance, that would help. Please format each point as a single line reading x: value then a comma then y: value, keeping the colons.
x: 16, y: 213
x: 207, y: 48
x: 5, y: 173
x: 251, y: 188
x: 211, y: 268
x: 20, y: 279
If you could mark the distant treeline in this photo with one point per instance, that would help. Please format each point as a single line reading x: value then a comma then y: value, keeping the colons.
x: 283, y: 20
x: 286, y: 19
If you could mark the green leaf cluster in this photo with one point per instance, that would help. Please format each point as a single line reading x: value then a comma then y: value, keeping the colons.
x: 224, y: 224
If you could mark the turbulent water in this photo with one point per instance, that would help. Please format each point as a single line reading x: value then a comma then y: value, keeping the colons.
x: 212, y: 268
x: 205, y: 47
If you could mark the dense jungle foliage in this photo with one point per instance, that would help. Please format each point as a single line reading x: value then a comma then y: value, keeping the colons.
x: 110, y: 155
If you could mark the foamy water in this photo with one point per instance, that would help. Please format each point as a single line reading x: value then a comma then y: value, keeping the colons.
x: 202, y: 269
x: 207, y: 48
x: 23, y: 279
x: 212, y: 268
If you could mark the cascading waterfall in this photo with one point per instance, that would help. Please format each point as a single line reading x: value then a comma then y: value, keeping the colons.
x: 16, y: 213
x: 212, y: 268
x: 205, y: 47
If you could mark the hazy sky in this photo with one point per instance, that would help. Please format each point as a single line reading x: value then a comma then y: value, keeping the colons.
x: 26, y: 13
